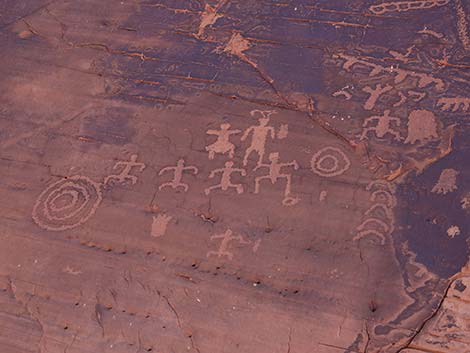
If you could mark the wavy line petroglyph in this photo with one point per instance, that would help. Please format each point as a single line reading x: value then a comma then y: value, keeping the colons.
x: 447, y: 182
x: 226, y: 238
x: 402, y: 6
x: 329, y: 162
x: 275, y: 173
x: 178, y: 171
x: 67, y: 203
x: 126, y: 170
x: 225, y: 179
x: 222, y: 145
x: 454, y: 104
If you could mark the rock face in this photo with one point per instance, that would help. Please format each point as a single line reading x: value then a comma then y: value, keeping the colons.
x: 234, y: 176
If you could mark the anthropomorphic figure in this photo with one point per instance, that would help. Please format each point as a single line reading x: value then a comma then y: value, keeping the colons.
x: 222, y: 145
x: 178, y: 170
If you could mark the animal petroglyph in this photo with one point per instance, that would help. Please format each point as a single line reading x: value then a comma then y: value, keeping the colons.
x: 126, y: 170
x: 159, y: 225
x: 402, y: 6
x: 222, y: 145
x: 454, y: 104
x: 275, y: 173
x: 447, y: 182
x: 67, y: 203
x: 383, y: 126
x: 329, y: 162
x: 259, y: 136
x: 375, y: 94
x: 225, y: 181
x: 422, y: 126
x: 178, y: 170
x: 379, y: 219
x: 424, y: 80
x: 226, y: 238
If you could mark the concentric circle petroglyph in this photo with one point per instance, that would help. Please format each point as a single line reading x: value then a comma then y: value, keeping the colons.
x: 329, y: 162
x: 67, y: 203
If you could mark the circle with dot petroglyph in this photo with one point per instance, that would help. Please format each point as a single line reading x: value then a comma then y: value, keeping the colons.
x: 67, y: 203
x: 329, y: 162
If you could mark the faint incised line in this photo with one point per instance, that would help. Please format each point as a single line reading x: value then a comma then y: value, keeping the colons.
x: 402, y: 6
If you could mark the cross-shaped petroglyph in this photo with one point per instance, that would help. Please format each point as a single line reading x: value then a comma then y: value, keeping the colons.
x: 226, y: 238
x: 275, y: 173
x: 159, y: 225
x: 422, y: 125
x: 401, y: 6
x: 447, y: 182
x: 222, y: 145
x: 259, y: 136
x: 383, y: 126
x: 225, y: 180
x: 375, y: 94
x: 126, y: 170
x: 178, y: 170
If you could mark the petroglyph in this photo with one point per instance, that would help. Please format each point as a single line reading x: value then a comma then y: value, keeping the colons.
x: 463, y: 28
x: 419, y: 95
x: 453, y: 231
x: 379, y: 220
x: 343, y: 92
x: 383, y: 126
x: 401, y: 101
x: 178, y: 170
x: 256, y: 245
x: 402, y: 6
x: 323, y: 195
x: 208, y: 18
x: 225, y: 181
x: 226, y: 238
x: 424, y: 80
x: 283, y: 132
x: 275, y: 173
x: 67, y: 203
x: 425, y: 30
x: 259, y: 136
x: 403, y: 57
x: 329, y: 162
x: 159, y: 225
x: 375, y: 94
x: 454, y: 104
x: 447, y: 182
x: 126, y: 170
x: 222, y: 145
x: 465, y: 202
x: 422, y: 126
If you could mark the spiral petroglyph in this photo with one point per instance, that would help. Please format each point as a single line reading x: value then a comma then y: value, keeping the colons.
x: 329, y: 162
x: 67, y: 203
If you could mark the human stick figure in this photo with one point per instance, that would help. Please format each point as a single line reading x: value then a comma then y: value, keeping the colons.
x: 222, y: 145
x: 225, y: 180
x: 224, y: 244
x: 179, y: 169
x: 126, y: 170
x: 275, y: 173
x: 258, y: 140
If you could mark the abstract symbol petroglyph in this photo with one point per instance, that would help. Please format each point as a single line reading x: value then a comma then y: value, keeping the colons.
x: 378, y: 220
x: 414, y: 95
x: 402, y: 6
x: 159, y: 225
x: 126, y: 170
x: 226, y: 238
x: 425, y: 30
x: 454, y: 104
x: 283, y: 132
x: 375, y: 94
x: 424, y: 80
x: 422, y: 126
x: 222, y: 145
x: 275, y: 173
x: 226, y: 181
x: 343, y: 92
x: 453, y: 231
x: 208, y: 18
x: 259, y: 136
x: 329, y: 162
x: 178, y: 171
x: 67, y: 203
x: 463, y: 27
x: 447, y: 182
x: 383, y: 126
